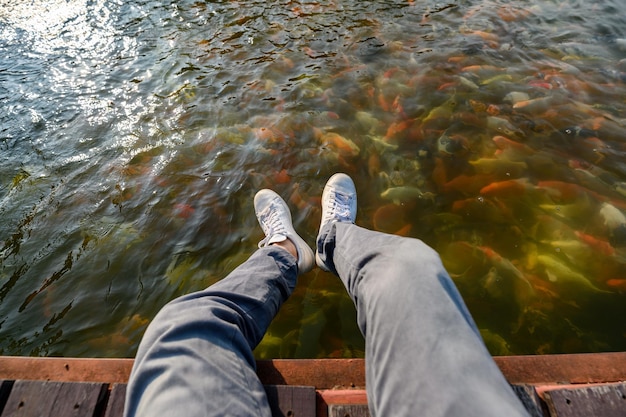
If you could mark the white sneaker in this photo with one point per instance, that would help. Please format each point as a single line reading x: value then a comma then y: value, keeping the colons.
x: 275, y: 220
x: 338, y: 204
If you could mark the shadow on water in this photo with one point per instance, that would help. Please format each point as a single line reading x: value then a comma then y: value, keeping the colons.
x: 135, y: 135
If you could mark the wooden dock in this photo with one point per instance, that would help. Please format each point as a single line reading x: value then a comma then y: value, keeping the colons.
x: 549, y: 385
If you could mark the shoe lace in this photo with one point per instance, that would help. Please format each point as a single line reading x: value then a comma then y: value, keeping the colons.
x: 338, y: 207
x: 271, y: 224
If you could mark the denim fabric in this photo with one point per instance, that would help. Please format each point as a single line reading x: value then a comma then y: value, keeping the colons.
x: 195, y: 358
x: 424, y: 354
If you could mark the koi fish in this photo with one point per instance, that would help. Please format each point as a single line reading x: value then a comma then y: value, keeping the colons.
x: 468, y: 183
x: 268, y: 134
x: 613, y: 217
x: 343, y: 146
x: 579, y: 132
x: 183, y: 211
x: 516, y: 97
x: 482, y: 68
x: 496, y: 344
x: 397, y: 127
x: 558, y: 271
x: 390, y: 218
x: 452, y: 144
x: 565, y: 191
x: 439, y: 174
x: 282, y: 177
x: 367, y: 121
x: 467, y: 83
x: 512, y: 150
x: 499, y: 166
x: 574, y: 211
x: 443, y: 111
x: 599, y: 245
x: 496, y: 79
x: 482, y: 209
x: 617, y: 283
x: 510, y: 13
x: 503, y: 126
x: 402, y: 194
x: 506, y: 188
x: 537, y: 105
x: 380, y: 144
x: 576, y: 251
x: 507, y: 270
x: 540, y: 84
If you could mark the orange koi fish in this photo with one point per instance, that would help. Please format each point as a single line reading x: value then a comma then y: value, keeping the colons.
x: 447, y: 85
x: 268, y: 134
x: 506, y: 188
x: 535, y: 105
x: 389, y: 218
x: 468, y: 183
x: 600, y: 245
x: 183, y: 211
x: 373, y: 164
x: 439, y: 174
x: 343, y: 146
x: 481, y: 68
x: 510, y: 13
x: 282, y: 177
x: 397, y: 127
x: 404, y: 231
x: 504, y: 143
x: 617, y: 283
x: 566, y: 191
x: 524, y: 291
x: 540, y: 84
x: 479, y: 208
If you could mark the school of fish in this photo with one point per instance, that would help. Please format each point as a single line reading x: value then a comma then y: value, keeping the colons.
x: 494, y: 131
x: 516, y: 175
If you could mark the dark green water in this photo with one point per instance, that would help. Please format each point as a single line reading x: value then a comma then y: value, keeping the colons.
x: 134, y: 135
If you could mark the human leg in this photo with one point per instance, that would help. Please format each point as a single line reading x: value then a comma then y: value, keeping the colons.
x: 196, y: 358
x: 424, y: 354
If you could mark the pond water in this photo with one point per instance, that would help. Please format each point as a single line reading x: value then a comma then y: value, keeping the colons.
x: 134, y: 135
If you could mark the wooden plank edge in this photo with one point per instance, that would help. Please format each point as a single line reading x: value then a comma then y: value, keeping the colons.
x: 65, y: 369
x: 330, y: 373
x: 320, y: 373
x: 579, y: 368
x: 542, y: 390
x: 329, y: 397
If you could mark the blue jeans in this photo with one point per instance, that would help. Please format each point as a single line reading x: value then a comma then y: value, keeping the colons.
x: 424, y: 354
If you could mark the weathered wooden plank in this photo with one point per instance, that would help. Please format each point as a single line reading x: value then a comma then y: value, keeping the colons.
x: 331, y: 373
x: 528, y: 395
x: 600, y: 400
x: 320, y: 373
x: 107, y: 370
x: 291, y: 401
x: 54, y: 399
x: 5, y: 390
x: 577, y: 368
x: 346, y: 396
x: 351, y: 410
x: 117, y: 398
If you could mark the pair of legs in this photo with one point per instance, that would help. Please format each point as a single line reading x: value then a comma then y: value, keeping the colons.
x: 424, y: 354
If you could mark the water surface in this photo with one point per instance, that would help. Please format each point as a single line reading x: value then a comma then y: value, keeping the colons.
x: 135, y: 134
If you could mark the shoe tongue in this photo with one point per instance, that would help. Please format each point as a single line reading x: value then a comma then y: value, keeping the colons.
x: 276, y: 239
